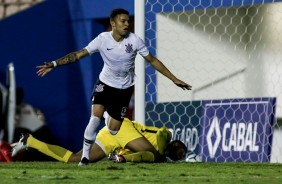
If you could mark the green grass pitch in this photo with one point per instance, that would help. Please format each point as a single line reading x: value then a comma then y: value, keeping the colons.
x: 171, y: 173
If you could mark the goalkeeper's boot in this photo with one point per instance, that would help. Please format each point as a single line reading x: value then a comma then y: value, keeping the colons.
x: 21, y: 145
x: 116, y: 157
x: 84, y: 161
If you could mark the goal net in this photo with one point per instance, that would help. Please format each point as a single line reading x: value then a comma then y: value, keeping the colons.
x: 230, y: 52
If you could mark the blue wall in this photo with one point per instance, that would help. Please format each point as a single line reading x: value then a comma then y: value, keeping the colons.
x: 46, y: 32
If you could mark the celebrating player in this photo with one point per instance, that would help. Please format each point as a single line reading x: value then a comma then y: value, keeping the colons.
x: 114, y: 87
x: 123, y: 146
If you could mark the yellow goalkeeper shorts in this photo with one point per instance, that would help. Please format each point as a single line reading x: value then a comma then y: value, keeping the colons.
x: 110, y: 143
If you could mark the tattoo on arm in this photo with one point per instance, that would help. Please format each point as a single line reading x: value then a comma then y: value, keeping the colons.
x: 72, y: 57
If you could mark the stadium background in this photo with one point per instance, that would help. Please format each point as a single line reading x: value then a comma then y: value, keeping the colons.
x: 45, y: 32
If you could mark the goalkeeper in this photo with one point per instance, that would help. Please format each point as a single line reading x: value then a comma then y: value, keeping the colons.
x: 120, y: 148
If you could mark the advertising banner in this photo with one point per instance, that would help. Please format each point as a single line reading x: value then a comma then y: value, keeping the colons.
x: 237, y: 130
x: 182, y: 119
x: 229, y: 130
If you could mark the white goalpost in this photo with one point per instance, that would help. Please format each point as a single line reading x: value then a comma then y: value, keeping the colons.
x: 230, y: 52
x: 139, y: 91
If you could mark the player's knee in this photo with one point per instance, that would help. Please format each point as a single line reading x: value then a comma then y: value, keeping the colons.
x: 113, y: 132
x: 95, y: 121
x: 114, y: 126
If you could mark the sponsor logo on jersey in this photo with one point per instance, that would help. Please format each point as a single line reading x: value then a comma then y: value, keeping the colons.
x: 128, y: 48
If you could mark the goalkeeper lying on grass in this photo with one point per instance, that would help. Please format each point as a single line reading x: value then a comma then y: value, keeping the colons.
x: 119, y: 148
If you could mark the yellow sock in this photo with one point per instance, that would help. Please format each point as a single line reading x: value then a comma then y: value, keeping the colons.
x: 144, y: 156
x: 56, y: 152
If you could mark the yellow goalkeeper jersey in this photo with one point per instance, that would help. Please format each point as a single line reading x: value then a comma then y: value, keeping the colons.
x: 158, y: 137
x: 130, y: 130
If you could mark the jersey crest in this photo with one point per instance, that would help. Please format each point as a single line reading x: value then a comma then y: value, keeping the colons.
x: 128, y: 48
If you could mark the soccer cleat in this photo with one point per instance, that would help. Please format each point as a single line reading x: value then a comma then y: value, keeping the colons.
x: 21, y: 145
x: 84, y: 161
x: 116, y: 158
x: 192, y: 157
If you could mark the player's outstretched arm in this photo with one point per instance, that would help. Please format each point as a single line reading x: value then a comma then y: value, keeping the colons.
x: 158, y: 65
x: 70, y: 58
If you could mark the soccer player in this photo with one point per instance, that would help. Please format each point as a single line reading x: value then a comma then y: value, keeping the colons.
x: 123, y: 145
x: 114, y: 87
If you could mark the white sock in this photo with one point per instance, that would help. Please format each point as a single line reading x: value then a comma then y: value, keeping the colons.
x: 90, y: 135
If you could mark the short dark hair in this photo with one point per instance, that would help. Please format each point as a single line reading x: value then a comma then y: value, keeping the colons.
x: 118, y: 11
x: 172, y: 148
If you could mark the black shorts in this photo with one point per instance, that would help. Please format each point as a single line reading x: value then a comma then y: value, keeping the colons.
x: 115, y: 100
